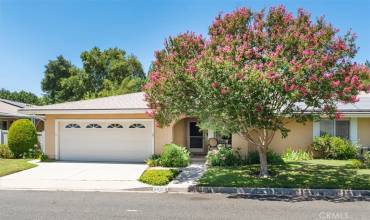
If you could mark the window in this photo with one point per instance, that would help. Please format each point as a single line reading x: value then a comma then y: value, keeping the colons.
x: 93, y: 126
x: 73, y: 126
x: 137, y: 126
x: 3, y: 125
x: 115, y: 126
x: 338, y: 128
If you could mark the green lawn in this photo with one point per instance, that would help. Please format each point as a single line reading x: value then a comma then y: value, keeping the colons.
x: 9, y: 166
x: 329, y: 174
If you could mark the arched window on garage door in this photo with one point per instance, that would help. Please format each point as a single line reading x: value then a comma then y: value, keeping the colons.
x: 137, y: 126
x: 115, y: 126
x: 93, y: 126
x: 73, y: 126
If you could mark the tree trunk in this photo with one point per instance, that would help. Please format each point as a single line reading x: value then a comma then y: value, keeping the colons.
x: 263, y: 161
x: 261, y: 138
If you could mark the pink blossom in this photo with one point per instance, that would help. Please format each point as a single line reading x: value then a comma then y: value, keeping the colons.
x: 347, y: 89
x: 154, y: 76
x: 272, y: 76
x: 354, y: 80
x: 347, y: 79
x: 191, y: 69
x: 226, y: 49
x: 303, y: 90
x: 338, y: 115
x: 328, y: 75
x: 354, y: 99
x: 150, y: 113
x: 286, y: 87
x: 335, y: 83
x: 214, y: 85
x: 307, y: 52
x: 224, y: 90
x: 148, y: 85
x: 258, y: 108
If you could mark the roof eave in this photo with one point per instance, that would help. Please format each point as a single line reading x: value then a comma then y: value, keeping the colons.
x: 81, y: 111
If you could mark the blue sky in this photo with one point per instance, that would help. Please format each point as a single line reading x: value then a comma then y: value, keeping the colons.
x: 33, y: 32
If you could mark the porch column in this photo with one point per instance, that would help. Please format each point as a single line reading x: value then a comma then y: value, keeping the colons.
x: 316, y: 129
x: 211, y: 134
x: 353, y: 136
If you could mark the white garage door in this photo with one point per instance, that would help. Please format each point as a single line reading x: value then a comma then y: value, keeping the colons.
x: 105, y: 140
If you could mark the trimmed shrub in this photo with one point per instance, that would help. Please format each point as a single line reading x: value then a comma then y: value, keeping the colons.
x: 272, y: 158
x: 158, y: 177
x: 154, y: 160
x: 22, y: 137
x: 366, y: 158
x: 358, y: 164
x: 296, y: 155
x: 223, y: 156
x: 330, y: 147
x: 5, y: 152
x: 174, y: 156
x: 34, y: 153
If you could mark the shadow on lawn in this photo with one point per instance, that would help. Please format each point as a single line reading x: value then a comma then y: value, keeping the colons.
x: 305, y: 175
x: 299, y: 198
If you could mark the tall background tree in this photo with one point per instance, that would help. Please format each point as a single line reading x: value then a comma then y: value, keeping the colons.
x: 253, y: 72
x: 104, y: 73
x: 54, y: 84
x: 21, y: 96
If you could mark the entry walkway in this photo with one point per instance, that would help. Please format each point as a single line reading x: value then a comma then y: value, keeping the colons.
x: 189, y: 176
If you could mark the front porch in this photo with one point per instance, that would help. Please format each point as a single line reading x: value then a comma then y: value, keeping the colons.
x: 187, y: 133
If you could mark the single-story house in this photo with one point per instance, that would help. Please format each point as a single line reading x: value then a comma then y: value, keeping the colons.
x: 118, y: 129
x: 9, y: 113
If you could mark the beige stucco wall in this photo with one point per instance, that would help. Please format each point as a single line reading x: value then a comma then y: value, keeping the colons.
x: 300, y: 137
x: 363, y: 131
x: 180, y: 132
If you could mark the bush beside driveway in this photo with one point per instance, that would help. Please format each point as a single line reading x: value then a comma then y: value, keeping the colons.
x: 9, y: 166
x: 314, y: 174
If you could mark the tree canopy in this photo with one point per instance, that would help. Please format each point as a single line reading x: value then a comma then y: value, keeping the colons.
x: 253, y: 71
x: 21, y: 96
x: 103, y: 73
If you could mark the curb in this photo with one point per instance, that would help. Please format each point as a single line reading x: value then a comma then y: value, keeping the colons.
x: 282, y: 191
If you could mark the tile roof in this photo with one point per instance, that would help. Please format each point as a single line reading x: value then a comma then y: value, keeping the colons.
x: 10, y: 108
x: 127, y: 101
x: 135, y: 101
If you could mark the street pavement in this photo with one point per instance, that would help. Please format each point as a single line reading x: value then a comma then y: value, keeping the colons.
x: 132, y: 205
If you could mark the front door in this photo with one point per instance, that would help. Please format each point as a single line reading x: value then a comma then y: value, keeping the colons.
x: 195, y: 139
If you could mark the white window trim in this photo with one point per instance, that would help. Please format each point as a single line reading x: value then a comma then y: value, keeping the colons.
x: 353, y: 127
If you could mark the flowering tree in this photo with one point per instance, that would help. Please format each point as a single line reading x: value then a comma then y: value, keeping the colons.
x: 253, y: 71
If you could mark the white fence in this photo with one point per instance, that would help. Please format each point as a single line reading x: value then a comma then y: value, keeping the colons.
x: 40, y: 137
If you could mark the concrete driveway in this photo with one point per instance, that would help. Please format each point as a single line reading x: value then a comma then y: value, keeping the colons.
x: 77, y: 176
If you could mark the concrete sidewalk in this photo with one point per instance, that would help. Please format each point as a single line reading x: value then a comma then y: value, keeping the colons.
x: 77, y: 176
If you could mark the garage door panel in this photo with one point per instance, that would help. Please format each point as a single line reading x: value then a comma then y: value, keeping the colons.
x: 106, y: 144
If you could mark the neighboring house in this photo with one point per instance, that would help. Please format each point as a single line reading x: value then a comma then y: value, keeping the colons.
x: 9, y: 113
x: 117, y: 129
